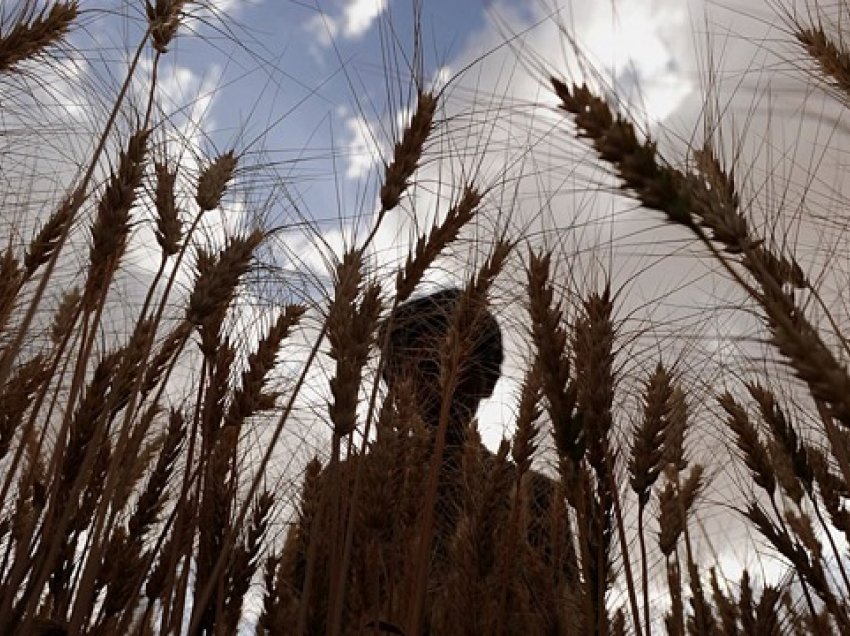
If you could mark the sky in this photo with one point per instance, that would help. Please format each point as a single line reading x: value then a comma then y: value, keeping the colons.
x: 313, y: 94
x: 320, y: 89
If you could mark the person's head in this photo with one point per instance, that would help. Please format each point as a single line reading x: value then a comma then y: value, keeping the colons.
x: 417, y: 331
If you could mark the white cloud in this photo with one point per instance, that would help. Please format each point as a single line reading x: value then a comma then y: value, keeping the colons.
x: 352, y: 22
x: 359, y: 15
x: 635, y: 49
x: 361, y: 148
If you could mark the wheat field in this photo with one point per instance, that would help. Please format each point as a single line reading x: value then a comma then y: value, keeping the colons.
x: 201, y: 450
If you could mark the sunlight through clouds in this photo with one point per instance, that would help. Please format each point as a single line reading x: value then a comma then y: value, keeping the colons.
x: 633, y: 44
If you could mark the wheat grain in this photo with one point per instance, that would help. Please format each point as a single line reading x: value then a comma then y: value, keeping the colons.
x: 164, y: 19
x: 674, y: 509
x: 33, y: 33
x: 215, y: 286
x: 524, y: 444
x: 351, y: 328
x: 11, y: 277
x: 65, y: 316
x: 214, y: 181
x: 408, y: 151
x: 645, y: 459
x: 749, y: 443
x: 16, y: 397
x: 250, y: 398
x: 830, y: 56
x: 784, y: 433
x: 169, y: 231
x: 550, y: 341
x: 48, y: 238
x: 112, y: 223
x: 245, y: 561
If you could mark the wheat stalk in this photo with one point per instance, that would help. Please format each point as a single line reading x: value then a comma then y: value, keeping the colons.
x: 749, y: 443
x: 112, y: 223
x: 429, y: 246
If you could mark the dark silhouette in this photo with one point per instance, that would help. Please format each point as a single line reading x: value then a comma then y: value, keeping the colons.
x: 417, y: 334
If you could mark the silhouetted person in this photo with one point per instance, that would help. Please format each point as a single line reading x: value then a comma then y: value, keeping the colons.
x: 388, y: 513
x: 417, y: 336
x: 414, y: 352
